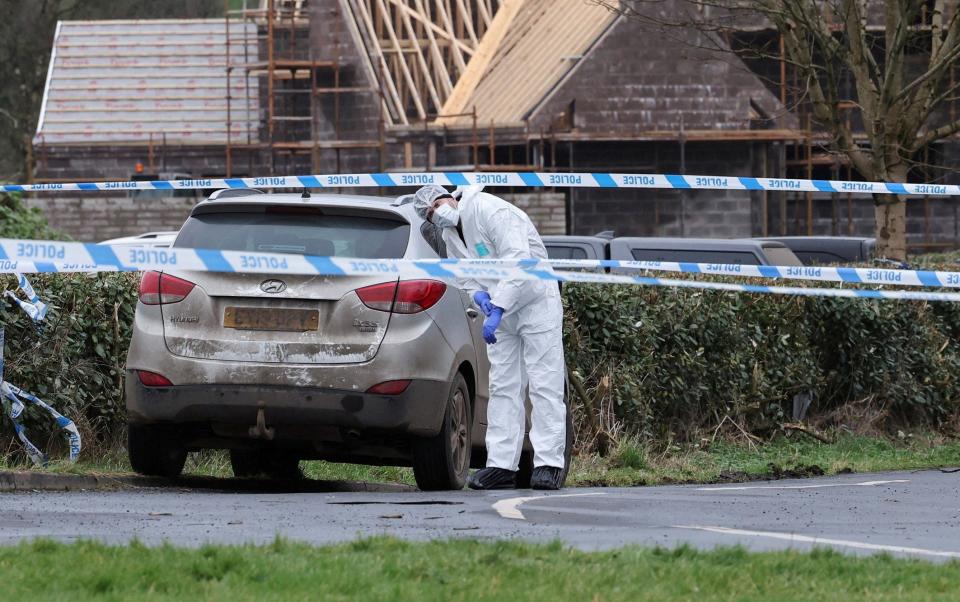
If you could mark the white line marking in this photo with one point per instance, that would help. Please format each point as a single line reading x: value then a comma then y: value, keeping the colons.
x: 745, y: 487
x: 823, y: 541
x: 510, y: 507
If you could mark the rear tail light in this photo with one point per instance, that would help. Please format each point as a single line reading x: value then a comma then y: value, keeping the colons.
x: 390, y: 387
x: 405, y: 297
x: 160, y: 289
x: 378, y: 296
x: 417, y: 295
x: 152, y: 379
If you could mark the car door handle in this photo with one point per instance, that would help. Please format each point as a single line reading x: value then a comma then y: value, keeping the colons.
x: 472, y: 313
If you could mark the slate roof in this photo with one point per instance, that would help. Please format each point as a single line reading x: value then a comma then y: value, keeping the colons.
x: 112, y: 81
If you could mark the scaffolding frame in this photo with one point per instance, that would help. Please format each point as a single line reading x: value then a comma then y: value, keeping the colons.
x: 282, y: 71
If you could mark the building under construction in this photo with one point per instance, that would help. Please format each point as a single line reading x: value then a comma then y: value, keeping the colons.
x: 354, y: 86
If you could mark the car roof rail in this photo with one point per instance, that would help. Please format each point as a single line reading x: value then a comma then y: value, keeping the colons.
x: 229, y: 193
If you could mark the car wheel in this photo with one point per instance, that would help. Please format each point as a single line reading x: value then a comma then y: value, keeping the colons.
x: 154, y: 451
x: 248, y: 463
x: 441, y: 462
x: 525, y: 471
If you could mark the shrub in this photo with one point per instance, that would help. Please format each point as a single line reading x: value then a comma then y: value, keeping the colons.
x: 679, y: 361
x: 19, y: 221
x: 75, y: 363
x: 674, y: 361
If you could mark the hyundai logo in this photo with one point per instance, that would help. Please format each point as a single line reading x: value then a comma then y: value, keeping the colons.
x: 273, y: 286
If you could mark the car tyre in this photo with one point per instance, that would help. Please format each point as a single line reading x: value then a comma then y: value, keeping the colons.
x: 250, y: 463
x: 155, y: 451
x: 525, y: 470
x: 442, y: 462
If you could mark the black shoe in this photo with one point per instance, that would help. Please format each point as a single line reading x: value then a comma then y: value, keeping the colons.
x: 547, y: 477
x: 492, y: 478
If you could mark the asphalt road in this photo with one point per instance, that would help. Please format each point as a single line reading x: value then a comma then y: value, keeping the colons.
x: 906, y: 514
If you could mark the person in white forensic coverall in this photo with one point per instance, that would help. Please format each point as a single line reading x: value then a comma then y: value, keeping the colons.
x: 523, y: 330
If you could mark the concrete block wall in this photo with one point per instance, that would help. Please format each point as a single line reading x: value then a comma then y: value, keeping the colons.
x: 359, y: 111
x: 95, y: 162
x: 639, y: 79
x: 95, y: 218
x: 650, y: 212
x: 930, y: 220
x: 547, y: 210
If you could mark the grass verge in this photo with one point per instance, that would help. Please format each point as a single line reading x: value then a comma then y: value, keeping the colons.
x: 389, y: 569
x: 216, y: 463
x: 631, y: 463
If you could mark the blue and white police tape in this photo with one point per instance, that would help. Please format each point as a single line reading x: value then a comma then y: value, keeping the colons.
x: 528, y: 179
x: 83, y: 257
x: 80, y: 257
x: 33, y: 307
x: 851, y: 275
x: 12, y: 396
x: 14, y: 411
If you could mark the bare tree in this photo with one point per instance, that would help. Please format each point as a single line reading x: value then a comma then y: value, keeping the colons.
x: 869, y: 41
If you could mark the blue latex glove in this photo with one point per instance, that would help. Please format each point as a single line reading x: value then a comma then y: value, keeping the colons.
x: 482, y: 299
x: 490, y: 325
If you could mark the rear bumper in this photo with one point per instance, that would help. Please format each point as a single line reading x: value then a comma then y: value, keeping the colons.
x: 293, y: 411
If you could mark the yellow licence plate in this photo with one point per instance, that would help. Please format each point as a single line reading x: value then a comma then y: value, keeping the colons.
x: 259, y: 318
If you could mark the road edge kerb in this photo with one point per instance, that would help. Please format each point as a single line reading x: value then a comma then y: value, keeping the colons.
x: 19, y: 481
x: 45, y: 481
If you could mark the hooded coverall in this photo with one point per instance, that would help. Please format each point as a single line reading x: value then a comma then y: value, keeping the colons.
x: 529, y: 347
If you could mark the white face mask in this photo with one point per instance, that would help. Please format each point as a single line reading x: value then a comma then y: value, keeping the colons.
x: 446, y: 216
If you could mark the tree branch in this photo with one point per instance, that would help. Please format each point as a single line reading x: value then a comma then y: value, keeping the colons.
x: 936, y: 27
x: 825, y: 108
x: 933, y: 135
x: 868, y: 88
x: 938, y: 60
x: 893, y: 53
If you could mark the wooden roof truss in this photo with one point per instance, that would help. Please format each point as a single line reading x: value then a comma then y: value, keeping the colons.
x: 419, y: 49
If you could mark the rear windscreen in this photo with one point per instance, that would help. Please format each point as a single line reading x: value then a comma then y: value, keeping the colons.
x: 298, y: 233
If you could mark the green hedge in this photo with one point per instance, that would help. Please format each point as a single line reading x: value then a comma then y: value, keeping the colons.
x: 76, y: 362
x: 679, y: 361
x: 19, y: 221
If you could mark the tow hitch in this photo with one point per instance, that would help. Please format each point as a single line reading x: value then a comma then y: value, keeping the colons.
x: 261, y: 430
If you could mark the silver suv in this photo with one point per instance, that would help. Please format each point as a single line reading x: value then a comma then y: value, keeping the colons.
x: 276, y: 368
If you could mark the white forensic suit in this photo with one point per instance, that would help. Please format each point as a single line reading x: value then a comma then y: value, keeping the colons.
x: 529, y: 347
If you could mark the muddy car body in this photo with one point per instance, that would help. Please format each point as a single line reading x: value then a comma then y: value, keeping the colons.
x: 378, y: 369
